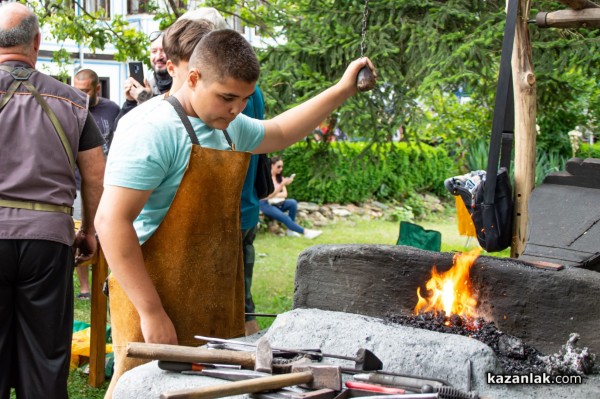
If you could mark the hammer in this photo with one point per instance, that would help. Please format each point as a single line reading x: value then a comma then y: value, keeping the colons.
x: 365, y: 360
x: 313, y: 376
x: 261, y: 360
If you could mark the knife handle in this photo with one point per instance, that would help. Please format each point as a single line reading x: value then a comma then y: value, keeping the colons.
x: 373, y: 388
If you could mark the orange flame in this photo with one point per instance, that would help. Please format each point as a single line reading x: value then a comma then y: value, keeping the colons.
x: 451, y: 291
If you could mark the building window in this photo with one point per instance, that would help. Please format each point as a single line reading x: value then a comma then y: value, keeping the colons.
x: 92, y: 6
x: 137, y: 6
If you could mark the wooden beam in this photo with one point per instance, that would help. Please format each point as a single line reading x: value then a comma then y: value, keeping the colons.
x: 579, y: 4
x: 524, y: 85
x: 98, y: 321
x: 588, y: 18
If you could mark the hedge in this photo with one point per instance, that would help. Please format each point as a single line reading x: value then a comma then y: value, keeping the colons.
x: 587, y: 151
x: 355, y: 172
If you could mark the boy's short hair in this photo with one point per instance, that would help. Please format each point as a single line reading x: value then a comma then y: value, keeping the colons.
x: 226, y: 54
x: 181, y: 38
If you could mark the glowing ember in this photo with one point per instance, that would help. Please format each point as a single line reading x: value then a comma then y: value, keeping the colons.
x: 451, y: 291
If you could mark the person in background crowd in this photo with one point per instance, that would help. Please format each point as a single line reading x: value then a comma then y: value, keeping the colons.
x: 277, y: 204
x: 158, y: 82
x: 46, y: 130
x: 103, y: 110
x: 105, y: 113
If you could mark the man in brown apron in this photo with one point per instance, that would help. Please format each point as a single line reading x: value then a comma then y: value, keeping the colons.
x: 187, y: 277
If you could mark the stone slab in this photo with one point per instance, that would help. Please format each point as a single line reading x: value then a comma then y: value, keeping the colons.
x: 402, y: 350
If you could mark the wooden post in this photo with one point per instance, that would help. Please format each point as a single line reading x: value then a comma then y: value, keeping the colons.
x: 525, y: 131
x: 98, y: 321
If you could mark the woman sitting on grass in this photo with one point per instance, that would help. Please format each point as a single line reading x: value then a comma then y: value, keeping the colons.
x: 277, y: 204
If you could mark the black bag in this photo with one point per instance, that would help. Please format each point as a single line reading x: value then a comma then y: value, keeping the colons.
x: 263, y: 182
x: 492, y: 221
x: 488, y: 195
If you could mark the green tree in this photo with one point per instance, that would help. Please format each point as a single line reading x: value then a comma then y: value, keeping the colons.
x: 423, y: 51
x: 67, y: 20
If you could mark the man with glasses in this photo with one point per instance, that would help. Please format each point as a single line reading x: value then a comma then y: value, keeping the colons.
x: 158, y: 82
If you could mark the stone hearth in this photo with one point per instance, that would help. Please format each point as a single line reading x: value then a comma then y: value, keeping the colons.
x: 542, y: 307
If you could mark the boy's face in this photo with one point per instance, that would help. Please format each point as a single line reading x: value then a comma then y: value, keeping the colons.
x: 216, y: 102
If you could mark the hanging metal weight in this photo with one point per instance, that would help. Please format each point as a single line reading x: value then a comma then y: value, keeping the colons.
x: 365, y: 79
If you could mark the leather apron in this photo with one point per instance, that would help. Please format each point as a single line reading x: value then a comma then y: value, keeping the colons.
x: 194, y: 259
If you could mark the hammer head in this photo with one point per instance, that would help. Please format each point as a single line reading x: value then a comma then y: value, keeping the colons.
x: 264, y: 356
x: 324, y: 376
x: 367, y: 361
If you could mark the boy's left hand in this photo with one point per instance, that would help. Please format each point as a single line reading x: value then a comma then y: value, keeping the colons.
x: 348, y: 81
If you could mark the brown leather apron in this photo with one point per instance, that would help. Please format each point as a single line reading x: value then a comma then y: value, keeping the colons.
x: 194, y: 259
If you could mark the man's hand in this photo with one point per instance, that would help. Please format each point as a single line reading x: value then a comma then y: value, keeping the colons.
x: 158, y: 328
x: 85, y: 246
x: 135, y: 91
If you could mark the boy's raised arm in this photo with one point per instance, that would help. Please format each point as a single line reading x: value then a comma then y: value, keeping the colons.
x: 293, y: 125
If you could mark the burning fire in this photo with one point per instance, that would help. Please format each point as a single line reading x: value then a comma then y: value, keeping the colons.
x: 451, y: 291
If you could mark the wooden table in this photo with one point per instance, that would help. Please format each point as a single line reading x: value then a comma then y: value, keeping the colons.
x: 98, y: 318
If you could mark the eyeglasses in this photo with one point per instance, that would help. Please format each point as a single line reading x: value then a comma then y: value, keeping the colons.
x: 155, y: 35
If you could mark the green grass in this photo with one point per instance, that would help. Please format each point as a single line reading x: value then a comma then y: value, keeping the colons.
x: 275, y: 266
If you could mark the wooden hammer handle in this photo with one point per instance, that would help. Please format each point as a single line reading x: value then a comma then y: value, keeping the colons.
x: 188, y: 354
x: 241, y: 387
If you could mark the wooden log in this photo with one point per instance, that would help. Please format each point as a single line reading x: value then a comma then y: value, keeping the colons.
x: 587, y: 18
x: 579, y: 4
x: 524, y: 86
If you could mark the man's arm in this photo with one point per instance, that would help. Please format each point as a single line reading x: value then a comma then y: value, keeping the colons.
x: 90, y: 163
x: 293, y: 125
x: 118, y: 209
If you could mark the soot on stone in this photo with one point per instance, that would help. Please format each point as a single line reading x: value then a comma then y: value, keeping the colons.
x: 515, y: 356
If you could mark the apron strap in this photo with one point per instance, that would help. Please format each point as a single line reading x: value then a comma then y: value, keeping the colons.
x: 188, y: 125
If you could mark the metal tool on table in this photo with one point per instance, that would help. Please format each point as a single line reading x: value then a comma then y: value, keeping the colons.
x: 365, y: 360
x: 187, y: 366
x: 405, y: 381
x: 260, y: 360
x: 373, y: 387
x: 288, y: 393
x: 365, y: 80
x: 313, y: 376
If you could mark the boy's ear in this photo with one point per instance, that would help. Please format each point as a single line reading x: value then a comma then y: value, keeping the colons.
x: 194, y: 77
x: 171, y: 68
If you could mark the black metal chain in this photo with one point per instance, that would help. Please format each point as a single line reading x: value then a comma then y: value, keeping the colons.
x: 364, y: 28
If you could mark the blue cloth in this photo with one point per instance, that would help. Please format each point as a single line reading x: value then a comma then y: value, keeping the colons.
x: 278, y: 212
x: 250, y: 208
x: 151, y: 152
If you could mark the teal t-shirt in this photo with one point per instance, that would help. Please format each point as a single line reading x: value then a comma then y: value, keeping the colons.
x: 151, y: 152
x: 250, y: 201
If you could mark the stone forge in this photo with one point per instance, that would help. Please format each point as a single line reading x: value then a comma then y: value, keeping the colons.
x: 542, y: 307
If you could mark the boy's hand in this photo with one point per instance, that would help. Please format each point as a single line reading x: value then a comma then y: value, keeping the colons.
x: 348, y: 81
x: 158, y: 328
